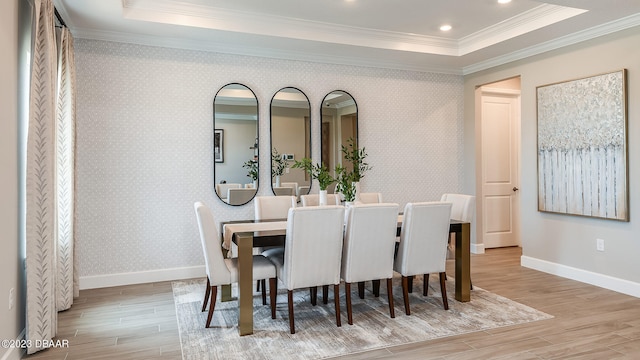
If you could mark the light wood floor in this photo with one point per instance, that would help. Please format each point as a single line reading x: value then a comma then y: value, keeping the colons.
x: 139, y: 321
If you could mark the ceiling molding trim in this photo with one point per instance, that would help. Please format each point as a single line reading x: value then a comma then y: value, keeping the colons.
x: 176, y: 13
x: 523, y: 23
x: 211, y: 46
x: 575, y: 38
x: 259, y: 24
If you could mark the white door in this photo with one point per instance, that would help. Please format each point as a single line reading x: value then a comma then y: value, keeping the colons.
x: 500, y: 122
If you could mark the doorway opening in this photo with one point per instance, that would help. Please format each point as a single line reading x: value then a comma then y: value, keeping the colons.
x: 498, y: 118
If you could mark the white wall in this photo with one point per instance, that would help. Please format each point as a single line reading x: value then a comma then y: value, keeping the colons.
x: 144, y: 146
x: 11, y: 321
x: 562, y: 244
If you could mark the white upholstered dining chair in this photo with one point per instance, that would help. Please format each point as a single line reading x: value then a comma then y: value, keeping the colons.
x: 462, y: 206
x: 370, y: 198
x: 283, y: 191
x: 367, y: 252
x: 303, y: 190
x: 314, y: 199
x: 423, y: 246
x: 293, y: 185
x: 312, y: 252
x: 221, y: 271
x: 271, y: 208
x: 462, y: 209
x: 221, y: 189
x: 240, y: 196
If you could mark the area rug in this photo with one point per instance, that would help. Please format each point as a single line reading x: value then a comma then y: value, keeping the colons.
x: 318, y: 337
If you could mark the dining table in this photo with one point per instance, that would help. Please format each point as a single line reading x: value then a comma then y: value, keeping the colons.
x: 247, y: 234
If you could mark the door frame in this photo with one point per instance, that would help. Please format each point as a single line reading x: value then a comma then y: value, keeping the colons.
x: 490, y: 89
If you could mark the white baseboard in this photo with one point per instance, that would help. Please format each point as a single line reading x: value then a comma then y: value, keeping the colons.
x: 15, y: 353
x: 141, y: 277
x: 477, y: 248
x: 604, y: 281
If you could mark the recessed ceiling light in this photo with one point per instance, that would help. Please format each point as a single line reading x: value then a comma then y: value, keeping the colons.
x: 445, y: 27
x: 504, y: 1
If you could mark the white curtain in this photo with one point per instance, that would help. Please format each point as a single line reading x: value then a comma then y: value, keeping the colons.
x: 49, y: 174
x: 67, y: 282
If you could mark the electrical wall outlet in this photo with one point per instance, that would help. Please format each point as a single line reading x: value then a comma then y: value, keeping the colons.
x: 600, y: 244
x: 12, y: 298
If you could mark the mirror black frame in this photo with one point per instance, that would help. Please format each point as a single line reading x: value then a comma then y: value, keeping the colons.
x: 254, y: 147
x: 307, y: 135
x: 326, y: 103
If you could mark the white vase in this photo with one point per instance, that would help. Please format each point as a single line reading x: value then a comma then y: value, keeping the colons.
x: 277, y: 181
x: 356, y: 198
x: 255, y: 184
x: 322, y: 198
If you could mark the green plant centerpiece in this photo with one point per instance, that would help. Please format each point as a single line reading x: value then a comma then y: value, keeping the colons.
x: 345, y: 184
x: 278, y: 163
x: 356, y: 157
x: 252, y: 167
x: 317, y: 171
x: 348, y: 179
x: 278, y: 166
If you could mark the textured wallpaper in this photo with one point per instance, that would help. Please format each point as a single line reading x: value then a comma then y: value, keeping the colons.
x: 144, y: 138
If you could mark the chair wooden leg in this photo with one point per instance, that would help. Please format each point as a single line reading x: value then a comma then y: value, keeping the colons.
x: 313, y: 293
x: 425, y: 284
x: 405, y: 294
x: 273, y: 292
x: 257, y: 285
x: 292, y: 326
x: 212, y: 304
x: 443, y: 290
x: 206, y: 295
x: 347, y: 295
x: 336, y: 296
x: 392, y: 312
x: 264, y: 291
x: 361, y: 289
x: 325, y: 294
x: 376, y: 287
x: 410, y: 284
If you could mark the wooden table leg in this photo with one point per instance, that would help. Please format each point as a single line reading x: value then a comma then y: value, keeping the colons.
x: 245, y: 283
x: 463, y: 263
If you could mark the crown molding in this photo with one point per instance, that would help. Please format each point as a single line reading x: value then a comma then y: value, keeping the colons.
x: 212, y: 46
x: 208, y: 17
x: 175, y: 13
x: 237, y: 49
x: 525, y: 22
x: 575, y: 38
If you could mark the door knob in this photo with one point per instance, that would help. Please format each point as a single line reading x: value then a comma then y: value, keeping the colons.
x: 515, y: 188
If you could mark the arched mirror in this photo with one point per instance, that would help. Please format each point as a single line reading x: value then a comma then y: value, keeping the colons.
x: 235, y: 144
x: 290, y: 141
x: 339, y: 123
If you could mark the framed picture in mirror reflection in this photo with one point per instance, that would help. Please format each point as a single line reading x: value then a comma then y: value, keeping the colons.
x: 218, y: 138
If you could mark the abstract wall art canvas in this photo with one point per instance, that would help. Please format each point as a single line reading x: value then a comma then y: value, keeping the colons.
x: 582, y: 147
